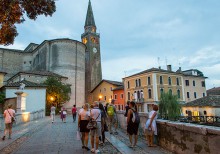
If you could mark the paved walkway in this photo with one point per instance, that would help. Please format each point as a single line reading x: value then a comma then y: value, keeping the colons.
x: 42, y: 136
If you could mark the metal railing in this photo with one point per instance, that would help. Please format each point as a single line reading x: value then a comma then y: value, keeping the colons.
x: 202, y: 120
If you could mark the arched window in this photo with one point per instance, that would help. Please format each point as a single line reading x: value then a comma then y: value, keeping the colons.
x: 139, y: 81
x: 161, y: 91
x: 138, y: 95
x: 161, y: 80
x: 177, y: 82
x: 170, y: 91
x: 195, y: 96
x: 149, y: 93
x: 178, y: 93
x: 128, y: 84
x: 148, y: 81
x: 169, y: 80
x: 129, y: 97
x: 136, y: 82
x: 194, y: 83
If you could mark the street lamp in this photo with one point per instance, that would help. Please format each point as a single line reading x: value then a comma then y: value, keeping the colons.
x: 100, y: 97
x: 52, y: 98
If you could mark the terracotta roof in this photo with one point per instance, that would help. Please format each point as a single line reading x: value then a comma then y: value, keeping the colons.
x: 153, y: 70
x: 205, y: 101
x: 27, y: 84
x: 41, y: 73
x: 214, y: 91
x: 163, y: 71
x: 119, y: 88
x: 108, y: 81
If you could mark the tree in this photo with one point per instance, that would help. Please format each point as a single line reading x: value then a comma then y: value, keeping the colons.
x: 12, y: 12
x: 169, y: 106
x: 2, y: 97
x: 57, y: 93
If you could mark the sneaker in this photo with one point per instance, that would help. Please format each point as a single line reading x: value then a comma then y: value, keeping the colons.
x: 93, y: 150
x: 87, y: 148
x: 97, y: 151
x: 101, y: 143
x: 3, y: 138
x: 116, y: 133
x: 110, y: 132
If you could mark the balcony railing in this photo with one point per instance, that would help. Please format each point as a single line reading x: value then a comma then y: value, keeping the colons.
x: 139, y: 100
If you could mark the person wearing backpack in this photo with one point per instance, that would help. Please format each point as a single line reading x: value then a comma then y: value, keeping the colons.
x: 112, y: 117
x: 133, y: 122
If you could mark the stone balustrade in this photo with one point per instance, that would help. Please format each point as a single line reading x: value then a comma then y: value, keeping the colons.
x: 181, y: 137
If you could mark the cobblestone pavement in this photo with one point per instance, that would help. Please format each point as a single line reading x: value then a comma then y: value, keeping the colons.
x: 41, y: 136
x: 49, y: 138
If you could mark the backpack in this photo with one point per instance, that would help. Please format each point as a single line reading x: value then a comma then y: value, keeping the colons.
x: 136, y: 118
x: 110, y: 110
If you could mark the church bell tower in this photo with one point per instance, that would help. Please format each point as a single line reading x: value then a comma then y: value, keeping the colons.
x: 91, y: 39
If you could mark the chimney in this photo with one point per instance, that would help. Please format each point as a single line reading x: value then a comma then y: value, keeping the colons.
x: 180, y: 69
x: 169, y: 68
x: 159, y: 67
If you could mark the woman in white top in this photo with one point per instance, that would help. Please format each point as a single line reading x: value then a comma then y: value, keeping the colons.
x: 8, y: 114
x: 83, y: 121
x: 151, y: 125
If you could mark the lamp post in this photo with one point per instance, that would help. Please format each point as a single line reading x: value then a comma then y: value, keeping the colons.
x: 100, y: 97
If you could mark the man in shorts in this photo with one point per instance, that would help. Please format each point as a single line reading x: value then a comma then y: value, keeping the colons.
x: 95, y: 133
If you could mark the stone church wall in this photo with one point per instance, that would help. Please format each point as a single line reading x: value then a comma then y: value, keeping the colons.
x: 59, y: 56
x: 11, y: 61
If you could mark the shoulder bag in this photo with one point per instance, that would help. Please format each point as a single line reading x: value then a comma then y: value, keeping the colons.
x: 92, y: 124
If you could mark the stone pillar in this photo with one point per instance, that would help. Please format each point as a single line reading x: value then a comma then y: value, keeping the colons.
x: 21, y: 101
x: 18, y: 108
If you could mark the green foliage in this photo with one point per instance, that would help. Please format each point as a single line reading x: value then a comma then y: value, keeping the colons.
x: 57, y: 90
x: 2, y: 97
x: 169, y: 106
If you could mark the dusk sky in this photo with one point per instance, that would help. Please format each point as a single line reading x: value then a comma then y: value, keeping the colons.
x: 134, y: 34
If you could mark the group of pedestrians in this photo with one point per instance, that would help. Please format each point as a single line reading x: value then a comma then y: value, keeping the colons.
x: 63, y: 113
x: 133, y: 121
x: 105, y: 119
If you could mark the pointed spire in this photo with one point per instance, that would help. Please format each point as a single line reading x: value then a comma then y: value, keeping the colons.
x: 89, y: 17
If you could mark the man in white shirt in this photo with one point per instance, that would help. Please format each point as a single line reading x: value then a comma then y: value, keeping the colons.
x: 8, y: 114
x: 52, y: 112
x: 96, y: 116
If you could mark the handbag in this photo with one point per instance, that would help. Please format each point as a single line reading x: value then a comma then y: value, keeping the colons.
x: 78, y: 136
x: 92, y: 124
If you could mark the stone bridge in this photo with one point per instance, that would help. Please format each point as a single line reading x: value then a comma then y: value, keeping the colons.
x: 41, y: 136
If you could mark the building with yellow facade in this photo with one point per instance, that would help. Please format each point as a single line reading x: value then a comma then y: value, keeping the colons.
x: 146, y: 87
x: 104, y: 91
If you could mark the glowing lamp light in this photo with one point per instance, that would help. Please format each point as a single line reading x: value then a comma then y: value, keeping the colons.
x: 52, y: 98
